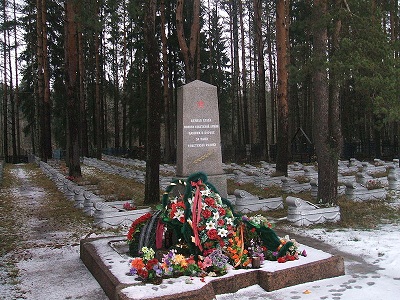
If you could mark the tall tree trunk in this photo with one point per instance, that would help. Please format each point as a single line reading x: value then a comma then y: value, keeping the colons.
x: 12, y: 102
x: 189, y: 52
x: 5, y: 96
x: 282, y: 26
x: 82, y: 97
x: 262, y: 109
x: 46, y: 86
x: 244, y: 110
x: 17, y: 102
x: 325, y: 142
x: 237, y: 137
x: 116, y: 100
x: 124, y: 74
x: 272, y: 81
x: 166, y: 94
x: 40, y: 81
x: 97, y: 104
x: 152, y: 186
x: 71, y: 82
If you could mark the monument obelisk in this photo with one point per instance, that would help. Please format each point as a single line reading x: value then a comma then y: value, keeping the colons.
x: 198, y: 134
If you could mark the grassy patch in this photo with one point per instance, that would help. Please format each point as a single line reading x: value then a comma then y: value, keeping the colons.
x: 8, y: 222
x: 120, y: 188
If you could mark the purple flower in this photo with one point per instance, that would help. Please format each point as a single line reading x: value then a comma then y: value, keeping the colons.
x: 304, y: 253
x: 133, y: 271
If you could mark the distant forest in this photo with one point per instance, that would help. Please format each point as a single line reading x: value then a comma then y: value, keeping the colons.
x: 93, y: 76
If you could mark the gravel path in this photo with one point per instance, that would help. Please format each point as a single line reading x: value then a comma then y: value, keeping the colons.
x: 41, y: 232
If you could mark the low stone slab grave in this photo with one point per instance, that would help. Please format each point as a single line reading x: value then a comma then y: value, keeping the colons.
x: 357, y: 192
x: 107, y: 260
x: 304, y: 213
x: 246, y: 202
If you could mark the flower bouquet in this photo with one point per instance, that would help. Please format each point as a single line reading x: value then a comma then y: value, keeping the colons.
x: 175, y: 265
x: 236, y: 250
x: 147, y: 268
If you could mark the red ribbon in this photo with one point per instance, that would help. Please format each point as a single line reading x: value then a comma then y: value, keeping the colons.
x: 159, y: 234
x: 196, y: 213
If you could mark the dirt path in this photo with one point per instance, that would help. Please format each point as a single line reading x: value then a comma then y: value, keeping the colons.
x: 40, y: 233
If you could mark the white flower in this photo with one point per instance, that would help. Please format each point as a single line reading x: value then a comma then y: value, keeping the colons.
x: 222, y: 232
x: 216, y: 215
x: 179, y: 213
x: 205, y: 192
x: 210, y: 225
x: 229, y: 221
x: 190, y: 200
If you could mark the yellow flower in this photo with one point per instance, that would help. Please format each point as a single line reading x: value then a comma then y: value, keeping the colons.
x: 179, y: 258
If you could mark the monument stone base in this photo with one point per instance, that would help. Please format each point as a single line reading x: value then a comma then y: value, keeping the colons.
x: 107, y: 260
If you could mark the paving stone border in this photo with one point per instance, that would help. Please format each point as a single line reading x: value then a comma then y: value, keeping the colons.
x: 110, y: 268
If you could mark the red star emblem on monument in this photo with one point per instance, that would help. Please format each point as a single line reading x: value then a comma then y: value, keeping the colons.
x: 200, y: 104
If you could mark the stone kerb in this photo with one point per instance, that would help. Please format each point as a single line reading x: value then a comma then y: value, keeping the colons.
x: 198, y: 134
x: 106, y: 214
x: 112, y: 214
x: 304, y: 213
x: 393, y: 178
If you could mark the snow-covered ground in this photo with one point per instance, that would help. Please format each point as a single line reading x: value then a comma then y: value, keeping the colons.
x: 371, y: 258
x: 372, y: 264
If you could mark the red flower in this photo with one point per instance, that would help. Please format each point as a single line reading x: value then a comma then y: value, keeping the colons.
x: 282, y: 259
x: 191, y: 260
x: 206, y: 214
x: 209, y: 251
x: 221, y: 222
x: 212, y: 234
x: 221, y: 211
x: 143, y: 273
x: 151, y: 263
x: 290, y: 257
x: 208, y: 245
x: 210, y: 201
x: 130, y: 233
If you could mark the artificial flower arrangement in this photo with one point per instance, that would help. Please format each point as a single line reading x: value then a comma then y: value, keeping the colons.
x: 150, y: 269
x: 374, y: 184
x: 134, y: 231
x: 175, y: 264
x: 211, y: 221
x: 215, y: 238
x: 129, y: 206
x: 238, y: 254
